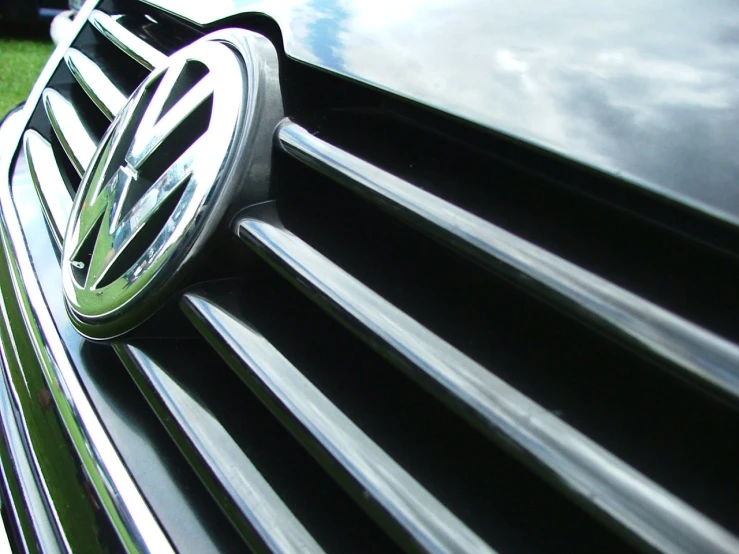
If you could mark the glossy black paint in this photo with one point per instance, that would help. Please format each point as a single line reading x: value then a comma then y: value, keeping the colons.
x: 648, y: 93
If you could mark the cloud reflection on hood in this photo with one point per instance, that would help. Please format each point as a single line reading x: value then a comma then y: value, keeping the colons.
x: 648, y: 90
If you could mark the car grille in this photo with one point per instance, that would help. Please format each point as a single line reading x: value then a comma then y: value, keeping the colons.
x: 419, y: 344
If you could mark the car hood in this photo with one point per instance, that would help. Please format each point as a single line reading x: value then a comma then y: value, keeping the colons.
x: 646, y: 91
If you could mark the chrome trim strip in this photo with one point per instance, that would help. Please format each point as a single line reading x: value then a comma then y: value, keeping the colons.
x: 682, y: 347
x: 131, y: 518
x: 26, y: 508
x: 589, y: 473
x: 263, y: 519
x: 46, y: 530
x: 133, y: 46
x: 75, y: 139
x: 129, y: 513
x: 39, y: 507
x: 385, y: 489
x: 56, y: 201
x: 95, y: 83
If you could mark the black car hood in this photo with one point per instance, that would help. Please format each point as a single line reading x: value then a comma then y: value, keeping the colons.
x: 646, y: 91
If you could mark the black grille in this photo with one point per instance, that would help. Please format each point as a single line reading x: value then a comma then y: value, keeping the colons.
x: 423, y: 342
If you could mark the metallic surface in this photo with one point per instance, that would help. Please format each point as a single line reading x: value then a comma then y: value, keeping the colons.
x: 133, y: 521
x: 599, y: 480
x: 182, y: 510
x: 31, y: 501
x: 28, y: 501
x: 95, y: 83
x: 389, y: 493
x: 129, y: 514
x: 53, y: 194
x: 683, y: 347
x: 655, y: 105
x: 69, y: 129
x: 23, y: 439
x: 252, y: 505
x: 124, y: 39
x: 111, y: 282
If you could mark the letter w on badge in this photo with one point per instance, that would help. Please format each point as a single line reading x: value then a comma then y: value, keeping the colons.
x: 141, y: 169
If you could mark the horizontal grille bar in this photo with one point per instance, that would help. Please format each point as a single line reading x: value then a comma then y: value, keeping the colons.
x: 56, y: 201
x: 263, y: 520
x: 602, y: 482
x: 404, y: 506
x: 133, y: 46
x: 95, y: 83
x: 74, y: 138
x: 682, y: 347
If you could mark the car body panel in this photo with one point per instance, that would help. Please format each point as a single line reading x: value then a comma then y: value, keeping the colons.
x: 646, y: 92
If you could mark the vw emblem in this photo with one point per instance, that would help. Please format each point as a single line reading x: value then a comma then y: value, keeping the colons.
x: 175, y: 157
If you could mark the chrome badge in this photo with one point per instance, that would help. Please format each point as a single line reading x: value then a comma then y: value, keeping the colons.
x: 187, y: 141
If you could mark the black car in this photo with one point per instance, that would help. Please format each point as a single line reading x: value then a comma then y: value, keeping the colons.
x: 320, y: 276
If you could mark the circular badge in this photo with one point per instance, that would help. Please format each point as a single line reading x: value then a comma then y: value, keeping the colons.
x: 160, y: 180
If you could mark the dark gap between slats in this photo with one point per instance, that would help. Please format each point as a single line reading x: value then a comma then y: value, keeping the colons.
x: 69, y: 175
x: 496, y: 496
x: 176, y: 496
x: 164, y: 35
x: 89, y: 114
x: 680, y: 438
x: 125, y: 72
x: 684, y: 276
x: 316, y: 500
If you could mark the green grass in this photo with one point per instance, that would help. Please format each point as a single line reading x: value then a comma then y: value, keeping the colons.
x: 20, y: 63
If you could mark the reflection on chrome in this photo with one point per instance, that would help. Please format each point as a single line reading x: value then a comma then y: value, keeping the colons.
x: 53, y: 194
x: 95, y: 83
x: 685, y: 348
x: 117, y: 264
x: 110, y: 28
x: 375, y: 477
x: 592, y: 475
x: 69, y: 129
x: 252, y: 495
x: 129, y: 514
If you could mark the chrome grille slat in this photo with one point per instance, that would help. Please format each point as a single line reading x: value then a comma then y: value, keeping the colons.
x: 377, y: 481
x: 56, y: 201
x: 600, y: 481
x: 267, y: 522
x: 69, y: 129
x: 126, y: 41
x: 95, y: 83
x: 681, y: 346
